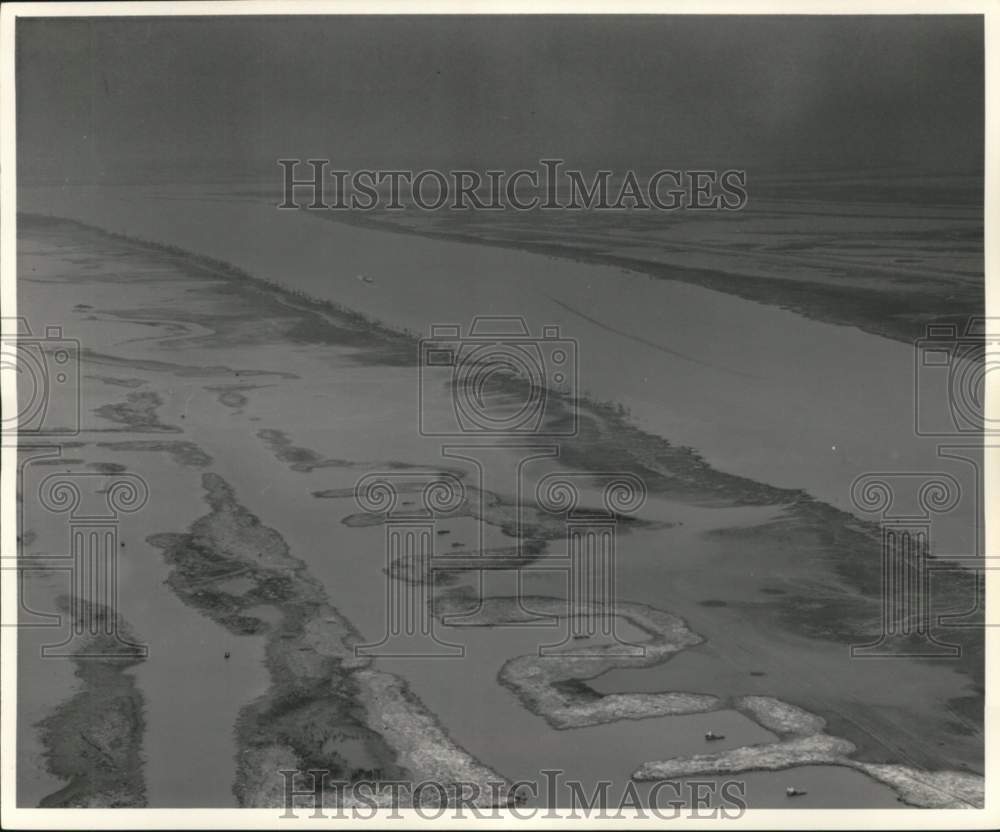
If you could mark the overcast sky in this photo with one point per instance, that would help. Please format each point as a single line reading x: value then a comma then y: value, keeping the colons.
x: 216, y: 98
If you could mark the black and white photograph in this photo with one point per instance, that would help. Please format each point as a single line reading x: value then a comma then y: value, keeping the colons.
x: 462, y: 416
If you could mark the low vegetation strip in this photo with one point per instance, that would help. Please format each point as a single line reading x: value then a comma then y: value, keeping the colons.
x: 94, y: 739
x: 326, y: 708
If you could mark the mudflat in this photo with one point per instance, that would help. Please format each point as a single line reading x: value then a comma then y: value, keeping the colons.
x: 241, y: 404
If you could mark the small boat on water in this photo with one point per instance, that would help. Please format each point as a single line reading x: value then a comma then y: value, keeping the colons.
x: 710, y: 736
x: 791, y: 791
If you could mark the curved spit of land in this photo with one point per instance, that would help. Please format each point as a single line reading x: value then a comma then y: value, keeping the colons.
x: 549, y: 686
x: 326, y: 708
